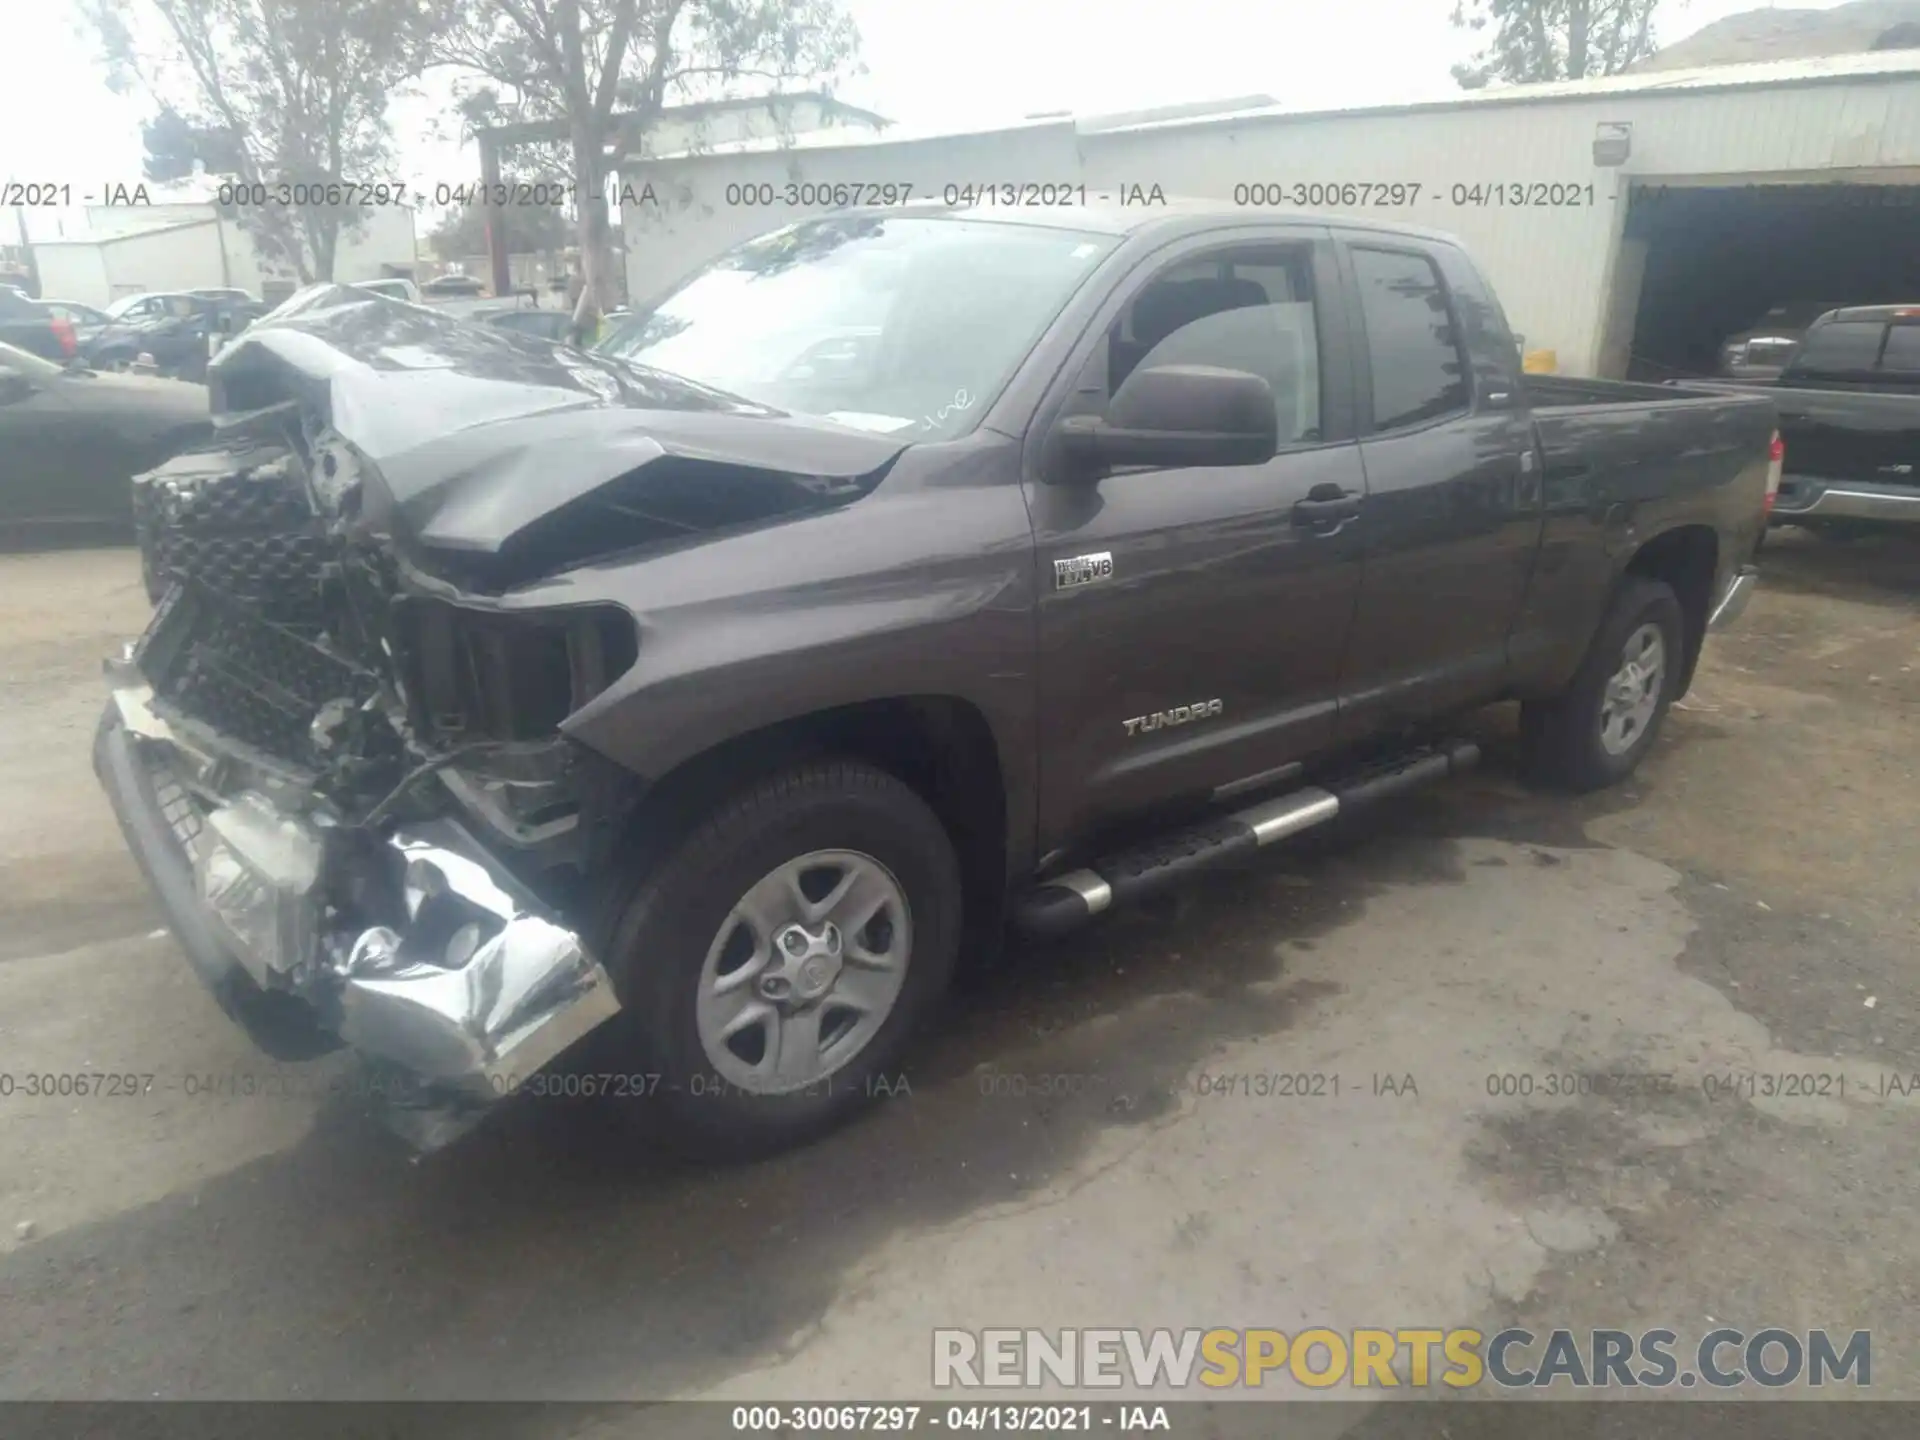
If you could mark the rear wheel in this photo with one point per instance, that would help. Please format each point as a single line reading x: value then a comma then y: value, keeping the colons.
x: 1597, y: 731
x: 774, y: 965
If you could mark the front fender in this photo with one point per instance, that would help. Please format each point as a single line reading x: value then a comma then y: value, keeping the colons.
x: 918, y: 590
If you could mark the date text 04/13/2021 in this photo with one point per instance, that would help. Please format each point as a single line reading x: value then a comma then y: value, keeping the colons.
x: 884, y: 1419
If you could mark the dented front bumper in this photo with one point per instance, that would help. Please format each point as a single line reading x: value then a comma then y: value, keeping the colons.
x: 465, y: 983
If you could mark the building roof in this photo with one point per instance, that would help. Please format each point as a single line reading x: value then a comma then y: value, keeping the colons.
x: 1777, y: 74
x: 1895, y: 65
x: 1194, y: 111
x: 111, y: 237
x: 520, y: 132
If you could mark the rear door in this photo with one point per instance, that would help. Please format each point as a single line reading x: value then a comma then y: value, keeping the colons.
x: 1453, y: 519
x: 1192, y: 621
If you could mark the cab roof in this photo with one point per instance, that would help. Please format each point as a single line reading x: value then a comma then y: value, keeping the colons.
x: 1881, y: 314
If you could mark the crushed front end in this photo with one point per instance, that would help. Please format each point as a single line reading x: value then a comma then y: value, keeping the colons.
x: 346, y: 781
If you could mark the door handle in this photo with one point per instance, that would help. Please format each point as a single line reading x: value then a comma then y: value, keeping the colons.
x: 1326, y: 508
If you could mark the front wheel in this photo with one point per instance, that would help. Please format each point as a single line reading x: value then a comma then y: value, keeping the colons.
x: 1598, y: 730
x: 774, y: 965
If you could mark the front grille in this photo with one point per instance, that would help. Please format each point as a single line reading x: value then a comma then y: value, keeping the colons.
x: 239, y: 523
x: 177, y: 807
x: 211, y: 658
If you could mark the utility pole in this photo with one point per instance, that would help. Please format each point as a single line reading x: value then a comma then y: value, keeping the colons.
x: 26, y: 252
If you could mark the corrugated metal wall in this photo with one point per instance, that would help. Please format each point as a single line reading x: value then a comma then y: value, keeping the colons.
x: 1550, y: 264
x: 186, y: 257
x: 72, y: 270
x: 705, y: 204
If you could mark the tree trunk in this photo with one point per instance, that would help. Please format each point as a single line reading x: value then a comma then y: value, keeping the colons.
x: 594, y: 232
x: 326, y: 245
x: 1578, y: 19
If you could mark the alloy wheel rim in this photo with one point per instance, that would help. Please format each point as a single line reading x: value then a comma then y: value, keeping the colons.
x: 804, y: 971
x: 1632, y: 692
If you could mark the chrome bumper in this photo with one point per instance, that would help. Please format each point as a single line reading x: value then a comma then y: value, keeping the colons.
x: 476, y: 989
x: 1739, y: 590
x: 484, y: 1006
x: 1802, y: 497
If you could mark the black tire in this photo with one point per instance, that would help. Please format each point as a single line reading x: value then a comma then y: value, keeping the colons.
x: 665, y: 930
x: 1561, y: 738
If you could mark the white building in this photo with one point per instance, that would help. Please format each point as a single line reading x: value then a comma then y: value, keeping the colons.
x: 128, y: 249
x: 1631, y: 220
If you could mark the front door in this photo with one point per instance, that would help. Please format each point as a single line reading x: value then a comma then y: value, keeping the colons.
x: 1193, y: 620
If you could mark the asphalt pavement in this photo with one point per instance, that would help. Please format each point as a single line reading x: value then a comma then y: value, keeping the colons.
x: 1086, y: 1139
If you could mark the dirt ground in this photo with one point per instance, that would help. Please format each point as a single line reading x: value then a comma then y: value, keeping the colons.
x: 1747, y: 908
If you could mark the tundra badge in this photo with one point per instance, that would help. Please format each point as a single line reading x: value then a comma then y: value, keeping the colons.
x: 1079, y: 570
x: 1178, y: 715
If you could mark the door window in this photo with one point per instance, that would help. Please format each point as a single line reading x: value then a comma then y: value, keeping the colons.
x: 1846, y: 345
x: 1250, y: 310
x: 1903, y: 350
x: 1419, y: 370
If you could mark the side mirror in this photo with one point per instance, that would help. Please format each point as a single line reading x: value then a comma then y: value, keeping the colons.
x: 1178, y: 415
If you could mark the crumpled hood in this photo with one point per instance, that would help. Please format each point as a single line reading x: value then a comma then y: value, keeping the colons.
x: 480, y: 434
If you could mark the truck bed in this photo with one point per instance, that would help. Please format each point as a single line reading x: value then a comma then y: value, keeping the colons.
x: 1853, y: 450
x: 1561, y: 391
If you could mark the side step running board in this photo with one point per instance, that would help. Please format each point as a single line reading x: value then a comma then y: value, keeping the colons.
x: 1065, y: 901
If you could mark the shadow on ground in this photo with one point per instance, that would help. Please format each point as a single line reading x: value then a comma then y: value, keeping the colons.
x: 552, y: 1249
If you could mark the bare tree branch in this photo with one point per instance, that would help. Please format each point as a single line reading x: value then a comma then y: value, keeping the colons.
x: 581, y: 61
x: 1539, y: 40
x: 271, y: 91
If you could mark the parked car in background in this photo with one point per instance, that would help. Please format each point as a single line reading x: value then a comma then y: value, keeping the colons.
x: 545, y: 324
x: 236, y: 296
x: 1763, y: 349
x: 523, y: 314
x: 453, y: 287
x: 30, y: 326
x: 73, y: 438
x: 1849, y: 404
x: 176, y: 328
x: 394, y: 288
x: 85, y: 319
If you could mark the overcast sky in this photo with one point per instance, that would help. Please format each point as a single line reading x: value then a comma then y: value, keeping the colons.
x: 928, y: 65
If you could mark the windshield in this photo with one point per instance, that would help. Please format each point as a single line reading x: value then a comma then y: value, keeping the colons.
x: 124, y: 304
x: 886, y: 323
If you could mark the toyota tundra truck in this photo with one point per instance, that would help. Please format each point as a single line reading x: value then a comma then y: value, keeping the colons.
x: 1849, y: 406
x: 688, y: 709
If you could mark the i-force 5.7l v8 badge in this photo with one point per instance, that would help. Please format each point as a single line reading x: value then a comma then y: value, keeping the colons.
x: 1078, y: 570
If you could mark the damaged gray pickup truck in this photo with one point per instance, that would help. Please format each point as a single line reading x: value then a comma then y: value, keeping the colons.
x: 677, y: 715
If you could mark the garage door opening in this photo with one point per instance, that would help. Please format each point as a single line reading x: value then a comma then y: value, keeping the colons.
x: 1718, y: 259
